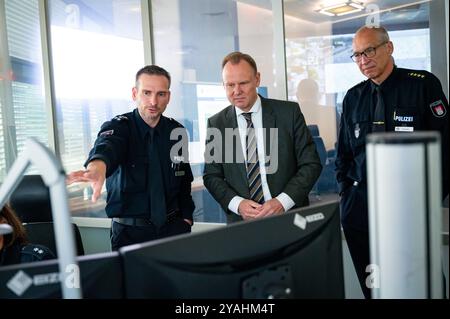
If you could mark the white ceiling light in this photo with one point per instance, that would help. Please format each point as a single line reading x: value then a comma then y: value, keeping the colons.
x: 342, y: 9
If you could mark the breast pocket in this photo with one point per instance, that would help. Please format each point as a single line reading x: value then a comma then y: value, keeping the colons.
x: 177, y: 173
x: 135, y: 175
x: 406, y: 119
x: 359, y: 131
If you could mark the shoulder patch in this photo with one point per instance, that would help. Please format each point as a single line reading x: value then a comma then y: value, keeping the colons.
x: 120, y: 118
x: 438, y: 108
x: 107, y: 133
x: 416, y: 75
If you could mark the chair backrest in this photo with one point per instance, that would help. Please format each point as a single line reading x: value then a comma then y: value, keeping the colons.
x: 321, y: 150
x: 31, y: 200
x: 44, y: 234
x: 314, y: 130
x: 32, y: 204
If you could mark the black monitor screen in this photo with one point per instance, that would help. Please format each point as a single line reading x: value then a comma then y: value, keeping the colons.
x: 293, y: 255
x: 100, y: 277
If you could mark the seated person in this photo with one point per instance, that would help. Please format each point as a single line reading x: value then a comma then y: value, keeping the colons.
x: 14, y: 247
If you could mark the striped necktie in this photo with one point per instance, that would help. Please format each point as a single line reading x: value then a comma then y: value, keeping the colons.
x: 253, y: 173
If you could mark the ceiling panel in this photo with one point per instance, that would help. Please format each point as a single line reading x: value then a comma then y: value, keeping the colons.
x: 392, y: 10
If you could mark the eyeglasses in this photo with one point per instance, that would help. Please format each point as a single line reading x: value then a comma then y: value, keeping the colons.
x: 368, y: 53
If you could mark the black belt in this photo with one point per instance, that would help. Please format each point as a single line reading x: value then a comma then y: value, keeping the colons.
x: 131, y: 221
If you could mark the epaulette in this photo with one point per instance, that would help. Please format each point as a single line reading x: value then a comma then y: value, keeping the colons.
x: 120, y: 118
x: 172, y: 121
x: 416, y: 75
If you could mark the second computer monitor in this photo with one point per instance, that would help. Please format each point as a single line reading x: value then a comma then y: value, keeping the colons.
x: 292, y: 255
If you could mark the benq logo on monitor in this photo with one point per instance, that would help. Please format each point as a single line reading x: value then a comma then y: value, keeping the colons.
x: 301, y: 221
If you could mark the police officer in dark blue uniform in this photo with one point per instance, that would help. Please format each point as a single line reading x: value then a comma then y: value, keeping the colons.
x: 392, y: 99
x: 18, y: 253
x: 143, y: 156
x: 14, y: 247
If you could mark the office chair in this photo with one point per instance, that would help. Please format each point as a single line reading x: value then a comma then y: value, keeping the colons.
x: 44, y: 234
x: 326, y: 181
x: 31, y: 202
x: 320, y: 146
x: 314, y: 130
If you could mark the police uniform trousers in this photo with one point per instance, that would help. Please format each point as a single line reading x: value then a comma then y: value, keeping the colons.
x: 355, y: 213
x: 123, y: 235
x: 358, y: 245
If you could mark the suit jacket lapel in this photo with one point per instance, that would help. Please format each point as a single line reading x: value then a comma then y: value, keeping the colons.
x: 231, y: 122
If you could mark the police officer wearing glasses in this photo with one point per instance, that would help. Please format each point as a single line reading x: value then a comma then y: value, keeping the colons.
x: 148, y: 183
x: 391, y: 99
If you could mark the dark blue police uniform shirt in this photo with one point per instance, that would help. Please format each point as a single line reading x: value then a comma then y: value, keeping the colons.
x: 414, y: 101
x: 123, y: 145
x: 24, y: 253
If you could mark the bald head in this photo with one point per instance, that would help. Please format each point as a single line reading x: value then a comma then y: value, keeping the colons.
x: 373, y: 50
x: 380, y: 33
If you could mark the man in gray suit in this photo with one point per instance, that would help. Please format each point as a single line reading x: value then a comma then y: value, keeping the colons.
x: 274, y: 164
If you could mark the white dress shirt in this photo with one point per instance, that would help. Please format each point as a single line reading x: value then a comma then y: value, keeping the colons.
x: 256, y: 111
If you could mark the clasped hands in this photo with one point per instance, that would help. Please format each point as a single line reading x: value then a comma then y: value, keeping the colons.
x: 249, y: 209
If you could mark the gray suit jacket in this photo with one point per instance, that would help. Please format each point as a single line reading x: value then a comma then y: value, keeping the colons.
x: 298, y: 162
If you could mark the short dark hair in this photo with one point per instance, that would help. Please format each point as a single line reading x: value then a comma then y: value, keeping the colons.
x: 236, y: 57
x: 18, y: 234
x: 152, y: 70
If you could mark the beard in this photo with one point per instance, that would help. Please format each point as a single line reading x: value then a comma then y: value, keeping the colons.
x: 151, y: 118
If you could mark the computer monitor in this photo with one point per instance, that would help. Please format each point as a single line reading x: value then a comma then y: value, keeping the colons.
x: 100, y: 277
x: 293, y: 255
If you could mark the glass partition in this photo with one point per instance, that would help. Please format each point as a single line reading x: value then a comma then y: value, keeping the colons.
x: 320, y: 71
x: 22, y: 102
x: 97, y: 48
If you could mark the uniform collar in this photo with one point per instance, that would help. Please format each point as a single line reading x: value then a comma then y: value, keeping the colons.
x: 373, y: 86
x: 390, y: 80
x: 144, y: 128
